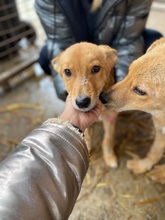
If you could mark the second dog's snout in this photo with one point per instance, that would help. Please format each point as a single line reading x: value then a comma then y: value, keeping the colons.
x: 83, y: 102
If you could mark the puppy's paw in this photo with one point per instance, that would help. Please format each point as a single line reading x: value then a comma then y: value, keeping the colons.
x: 111, y: 161
x: 139, y: 166
x: 158, y: 174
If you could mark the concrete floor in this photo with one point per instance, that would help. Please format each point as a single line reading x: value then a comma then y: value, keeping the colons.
x: 106, y: 194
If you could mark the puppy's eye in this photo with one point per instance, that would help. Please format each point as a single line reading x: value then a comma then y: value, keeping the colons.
x: 67, y: 72
x: 95, y: 69
x: 139, y: 91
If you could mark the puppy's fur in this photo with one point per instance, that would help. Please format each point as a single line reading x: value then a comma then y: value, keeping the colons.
x: 87, y: 71
x: 144, y: 89
x: 95, y: 5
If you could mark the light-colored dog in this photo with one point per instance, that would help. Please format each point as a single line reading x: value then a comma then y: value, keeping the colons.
x: 87, y: 71
x: 144, y: 89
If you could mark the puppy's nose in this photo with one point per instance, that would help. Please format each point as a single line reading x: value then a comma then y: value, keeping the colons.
x: 104, y: 97
x: 83, y: 102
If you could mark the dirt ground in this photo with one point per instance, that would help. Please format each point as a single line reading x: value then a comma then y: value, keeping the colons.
x: 107, y: 194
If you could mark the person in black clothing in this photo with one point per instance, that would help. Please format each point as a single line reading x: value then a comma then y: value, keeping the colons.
x: 117, y: 23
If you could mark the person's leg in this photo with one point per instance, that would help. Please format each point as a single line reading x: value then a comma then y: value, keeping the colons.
x: 150, y: 36
x: 44, y: 60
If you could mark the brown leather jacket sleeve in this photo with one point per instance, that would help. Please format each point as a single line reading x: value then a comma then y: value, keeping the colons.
x: 42, y: 178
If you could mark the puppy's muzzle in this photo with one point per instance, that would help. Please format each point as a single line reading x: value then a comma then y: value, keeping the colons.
x: 83, y: 102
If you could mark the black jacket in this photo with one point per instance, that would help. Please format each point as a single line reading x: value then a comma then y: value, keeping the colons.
x: 118, y: 23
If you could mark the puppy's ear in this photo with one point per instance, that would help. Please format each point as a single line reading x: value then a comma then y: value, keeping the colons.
x: 111, y: 54
x: 56, y: 63
x: 156, y: 43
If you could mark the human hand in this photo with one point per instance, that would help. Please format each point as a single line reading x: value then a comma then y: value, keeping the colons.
x: 81, y: 119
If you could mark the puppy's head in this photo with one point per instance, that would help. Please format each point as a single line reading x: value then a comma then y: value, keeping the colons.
x: 87, y: 70
x: 144, y: 86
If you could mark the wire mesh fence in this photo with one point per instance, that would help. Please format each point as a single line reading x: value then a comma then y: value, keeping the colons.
x: 19, y: 26
x: 21, y: 36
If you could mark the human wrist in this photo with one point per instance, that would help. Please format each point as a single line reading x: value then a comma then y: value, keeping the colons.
x: 72, y: 120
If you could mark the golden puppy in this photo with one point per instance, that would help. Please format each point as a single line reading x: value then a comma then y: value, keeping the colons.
x: 87, y: 71
x: 144, y: 89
